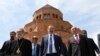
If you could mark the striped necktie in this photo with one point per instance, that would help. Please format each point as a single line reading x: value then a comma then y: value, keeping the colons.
x: 50, y: 49
x: 77, y: 39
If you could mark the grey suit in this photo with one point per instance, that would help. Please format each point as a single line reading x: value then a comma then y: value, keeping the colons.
x: 78, y: 49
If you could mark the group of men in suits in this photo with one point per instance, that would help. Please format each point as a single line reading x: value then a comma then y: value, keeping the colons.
x: 51, y: 45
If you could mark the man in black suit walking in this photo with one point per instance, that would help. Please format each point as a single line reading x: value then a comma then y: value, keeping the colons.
x: 51, y: 43
x: 35, y: 46
x: 91, y: 45
x: 5, y: 50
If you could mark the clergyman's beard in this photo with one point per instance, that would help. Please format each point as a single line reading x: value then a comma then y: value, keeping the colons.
x: 12, y: 37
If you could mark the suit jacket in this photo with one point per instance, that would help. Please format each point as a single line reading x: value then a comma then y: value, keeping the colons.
x: 44, y: 44
x: 5, y: 48
x: 64, y: 51
x: 24, y: 45
x: 78, y: 49
x: 38, y: 50
x: 92, y: 47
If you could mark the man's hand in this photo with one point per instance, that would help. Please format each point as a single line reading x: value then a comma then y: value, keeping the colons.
x: 61, y: 55
x: 98, y: 54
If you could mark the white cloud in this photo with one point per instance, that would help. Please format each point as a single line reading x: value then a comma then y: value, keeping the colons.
x: 80, y: 8
x: 0, y: 45
x: 84, y: 14
x: 13, y: 15
x: 13, y: 10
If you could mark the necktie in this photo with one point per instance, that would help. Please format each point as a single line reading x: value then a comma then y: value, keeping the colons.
x: 34, y: 50
x: 50, y: 49
x: 77, y: 39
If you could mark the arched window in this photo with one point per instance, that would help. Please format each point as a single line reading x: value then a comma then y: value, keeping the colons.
x: 53, y: 15
x: 56, y: 16
x: 46, y: 16
x: 39, y: 16
x: 30, y: 30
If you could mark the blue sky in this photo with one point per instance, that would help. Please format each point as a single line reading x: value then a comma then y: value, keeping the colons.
x: 14, y: 14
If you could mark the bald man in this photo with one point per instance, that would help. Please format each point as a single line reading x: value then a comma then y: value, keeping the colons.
x: 51, y: 43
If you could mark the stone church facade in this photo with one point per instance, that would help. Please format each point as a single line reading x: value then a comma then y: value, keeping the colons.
x: 45, y: 16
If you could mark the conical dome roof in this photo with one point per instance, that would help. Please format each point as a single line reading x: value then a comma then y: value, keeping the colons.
x: 47, y: 6
x: 47, y: 11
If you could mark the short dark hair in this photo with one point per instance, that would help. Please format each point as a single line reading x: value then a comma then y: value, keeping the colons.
x: 12, y: 32
x: 85, y: 32
x: 99, y: 35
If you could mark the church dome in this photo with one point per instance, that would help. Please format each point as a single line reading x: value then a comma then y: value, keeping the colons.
x: 48, y: 12
x: 44, y: 17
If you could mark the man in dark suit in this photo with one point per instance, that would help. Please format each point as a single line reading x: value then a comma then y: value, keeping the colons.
x: 35, y: 46
x: 5, y: 50
x: 78, y: 45
x: 51, y: 43
x: 91, y: 45
x: 21, y: 46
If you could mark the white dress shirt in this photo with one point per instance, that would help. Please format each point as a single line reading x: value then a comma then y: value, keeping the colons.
x: 53, y: 44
